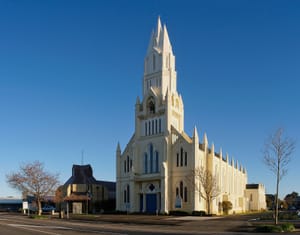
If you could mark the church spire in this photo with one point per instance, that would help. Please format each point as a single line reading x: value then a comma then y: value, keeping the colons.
x: 159, y: 65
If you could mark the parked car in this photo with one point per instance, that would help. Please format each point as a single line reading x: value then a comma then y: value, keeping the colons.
x: 48, y: 208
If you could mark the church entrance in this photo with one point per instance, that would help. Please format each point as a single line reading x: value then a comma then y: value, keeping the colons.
x: 151, y: 203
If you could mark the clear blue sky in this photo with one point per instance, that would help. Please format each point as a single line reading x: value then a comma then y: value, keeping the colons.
x: 70, y: 72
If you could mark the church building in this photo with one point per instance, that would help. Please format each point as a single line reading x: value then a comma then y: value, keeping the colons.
x: 152, y: 171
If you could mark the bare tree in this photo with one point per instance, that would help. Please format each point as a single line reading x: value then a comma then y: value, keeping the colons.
x: 205, y: 184
x: 33, y: 180
x: 277, y: 155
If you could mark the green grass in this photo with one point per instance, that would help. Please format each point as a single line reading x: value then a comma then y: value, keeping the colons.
x: 287, y: 227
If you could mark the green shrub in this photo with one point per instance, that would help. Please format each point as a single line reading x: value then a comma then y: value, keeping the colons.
x: 288, y: 227
x: 199, y: 213
x: 268, y: 229
x: 178, y: 213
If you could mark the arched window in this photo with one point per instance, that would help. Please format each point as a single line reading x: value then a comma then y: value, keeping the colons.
x: 146, y: 163
x: 151, y: 107
x: 159, y: 125
x: 181, y: 189
x: 125, y: 166
x: 145, y: 128
x: 177, y: 191
x: 153, y: 61
x: 128, y: 168
x: 155, y: 126
x: 151, y: 157
x: 181, y: 157
x: 177, y: 163
x: 185, y: 158
x: 185, y: 194
x: 128, y: 193
x: 156, y: 161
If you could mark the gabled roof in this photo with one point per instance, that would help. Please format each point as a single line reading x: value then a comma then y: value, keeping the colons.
x: 81, y: 174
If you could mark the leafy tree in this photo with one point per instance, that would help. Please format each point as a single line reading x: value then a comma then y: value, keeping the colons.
x: 205, y: 184
x: 33, y: 180
x: 227, y: 206
x: 291, y: 200
x: 277, y: 155
x: 270, y: 200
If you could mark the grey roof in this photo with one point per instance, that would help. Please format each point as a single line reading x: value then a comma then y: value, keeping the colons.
x: 81, y: 174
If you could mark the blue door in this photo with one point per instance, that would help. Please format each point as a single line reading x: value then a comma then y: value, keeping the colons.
x: 151, y: 203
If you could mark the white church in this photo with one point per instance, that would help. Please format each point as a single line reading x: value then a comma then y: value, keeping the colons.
x: 153, y: 169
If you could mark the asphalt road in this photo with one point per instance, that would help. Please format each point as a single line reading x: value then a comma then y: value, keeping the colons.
x: 15, y: 224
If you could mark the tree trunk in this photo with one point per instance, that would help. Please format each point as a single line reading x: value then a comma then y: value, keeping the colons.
x: 208, y: 206
x: 276, y: 198
x: 39, y: 204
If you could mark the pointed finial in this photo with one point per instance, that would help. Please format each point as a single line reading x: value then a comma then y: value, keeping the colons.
x: 227, y: 157
x: 166, y: 44
x: 195, y: 134
x: 118, y: 148
x: 158, y: 27
x: 138, y: 100
x: 213, y: 148
x: 221, y: 154
x: 232, y: 162
x: 205, y: 141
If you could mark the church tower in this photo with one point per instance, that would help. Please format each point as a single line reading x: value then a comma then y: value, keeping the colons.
x: 142, y: 168
x: 160, y: 97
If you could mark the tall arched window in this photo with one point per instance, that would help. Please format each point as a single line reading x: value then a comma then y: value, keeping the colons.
x: 185, y: 194
x: 146, y: 163
x: 159, y: 125
x: 128, y: 193
x: 151, y: 157
x: 128, y: 168
x: 153, y: 61
x: 181, y: 157
x: 145, y: 128
x: 156, y: 161
x: 181, y: 189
